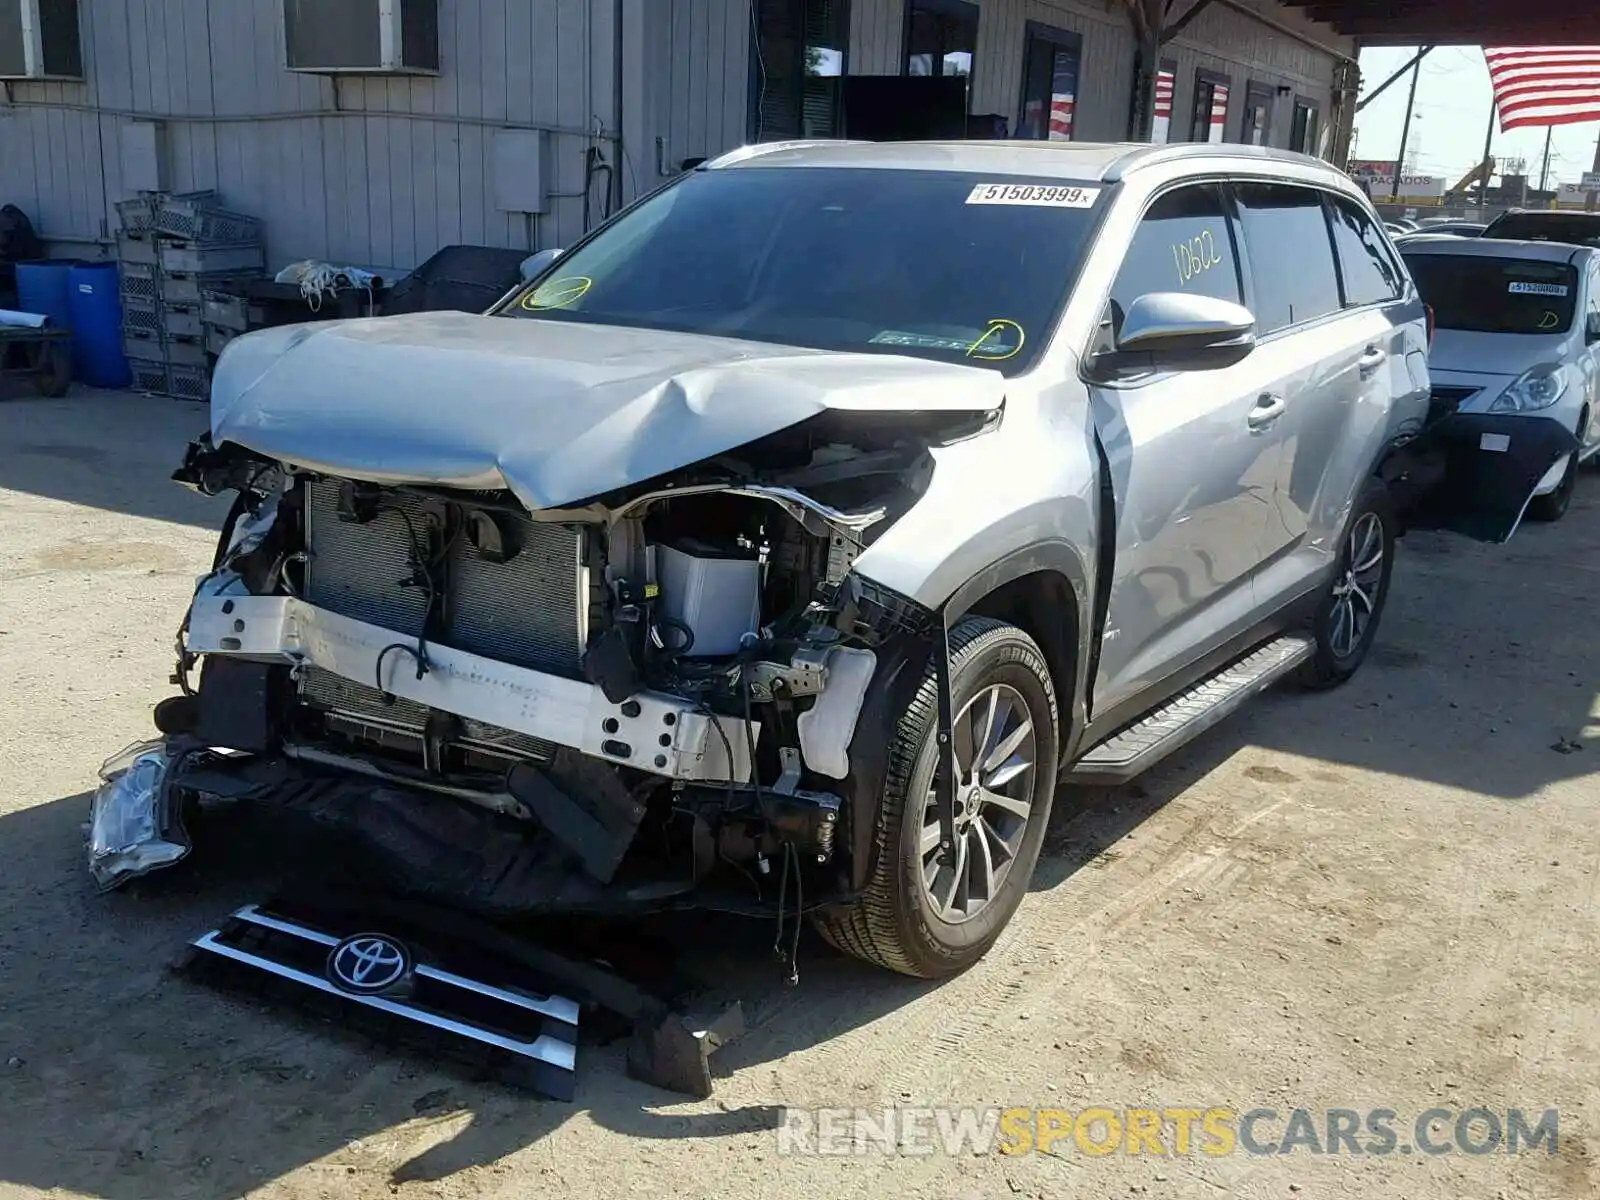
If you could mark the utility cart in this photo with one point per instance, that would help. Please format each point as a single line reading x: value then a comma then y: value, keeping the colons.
x: 32, y: 347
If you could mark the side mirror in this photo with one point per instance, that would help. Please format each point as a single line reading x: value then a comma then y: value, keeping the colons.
x: 1594, y: 328
x: 536, y: 264
x: 1174, y: 331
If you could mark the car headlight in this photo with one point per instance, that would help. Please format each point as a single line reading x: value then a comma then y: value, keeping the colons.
x: 1538, y: 388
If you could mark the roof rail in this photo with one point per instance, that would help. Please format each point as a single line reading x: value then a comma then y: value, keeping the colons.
x: 1142, y: 156
x: 756, y: 149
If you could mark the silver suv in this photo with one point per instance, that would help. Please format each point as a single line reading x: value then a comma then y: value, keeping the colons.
x: 784, y: 544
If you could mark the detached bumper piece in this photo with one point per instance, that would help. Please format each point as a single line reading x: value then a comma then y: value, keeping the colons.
x: 387, y: 987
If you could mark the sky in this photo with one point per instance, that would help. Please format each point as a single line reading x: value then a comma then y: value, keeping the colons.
x: 1453, y: 99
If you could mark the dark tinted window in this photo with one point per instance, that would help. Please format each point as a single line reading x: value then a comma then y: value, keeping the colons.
x: 1371, y: 274
x: 1291, y: 258
x: 1580, y: 228
x: 1496, y: 295
x: 1183, y: 244
x: 939, y: 265
x: 942, y: 37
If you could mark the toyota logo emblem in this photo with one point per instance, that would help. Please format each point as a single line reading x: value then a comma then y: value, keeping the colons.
x: 368, y: 963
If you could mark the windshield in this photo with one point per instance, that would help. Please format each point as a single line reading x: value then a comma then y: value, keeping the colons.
x: 1579, y: 228
x: 949, y: 266
x: 1496, y: 295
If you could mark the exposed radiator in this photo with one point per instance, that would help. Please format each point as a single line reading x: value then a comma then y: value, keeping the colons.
x: 530, y: 611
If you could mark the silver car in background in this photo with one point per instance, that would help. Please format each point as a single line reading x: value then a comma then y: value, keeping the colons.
x: 1517, y: 332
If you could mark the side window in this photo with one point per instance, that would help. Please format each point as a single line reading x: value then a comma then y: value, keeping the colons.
x: 1371, y: 276
x: 1184, y: 243
x: 1291, y: 255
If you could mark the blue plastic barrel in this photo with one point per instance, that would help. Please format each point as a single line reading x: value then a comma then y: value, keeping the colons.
x: 97, y: 357
x: 42, y: 287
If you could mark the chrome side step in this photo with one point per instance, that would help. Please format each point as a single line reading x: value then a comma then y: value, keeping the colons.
x: 526, y: 1038
x: 1187, y: 715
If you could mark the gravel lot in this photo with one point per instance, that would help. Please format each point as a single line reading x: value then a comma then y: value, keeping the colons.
x: 1380, y: 898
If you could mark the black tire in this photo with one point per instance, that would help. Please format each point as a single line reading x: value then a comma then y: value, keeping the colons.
x: 1337, y: 658
x: 894, y: 924
x: 1554, y: 506
x: 53, y: 376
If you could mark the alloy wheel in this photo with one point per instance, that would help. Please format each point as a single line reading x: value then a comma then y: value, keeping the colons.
x: 995, y: 753
x: 1355, y: 592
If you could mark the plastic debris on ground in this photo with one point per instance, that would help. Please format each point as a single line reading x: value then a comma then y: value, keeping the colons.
x: 133, y: 828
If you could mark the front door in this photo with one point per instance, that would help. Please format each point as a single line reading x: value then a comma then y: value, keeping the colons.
x: 1193, y: 464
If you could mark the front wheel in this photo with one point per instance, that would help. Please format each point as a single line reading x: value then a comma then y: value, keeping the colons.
x: 1553, y: 505
x: 1346, y: 620
x: 932, y: 912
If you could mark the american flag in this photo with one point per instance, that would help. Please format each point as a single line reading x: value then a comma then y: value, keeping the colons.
x: 1219, y: 112
x: 1164, y: 81
x: 1061, y: 114
x: 1545, y: 85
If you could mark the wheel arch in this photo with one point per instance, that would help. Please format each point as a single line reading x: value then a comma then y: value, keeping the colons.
x: 1043, y: 590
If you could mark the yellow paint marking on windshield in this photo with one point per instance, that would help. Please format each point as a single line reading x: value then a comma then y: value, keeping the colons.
x: 1549, y: 321
x: 997, y: 326
x: 558, y: 293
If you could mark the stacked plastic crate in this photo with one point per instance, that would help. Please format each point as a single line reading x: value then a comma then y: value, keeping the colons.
x: 173, y: 249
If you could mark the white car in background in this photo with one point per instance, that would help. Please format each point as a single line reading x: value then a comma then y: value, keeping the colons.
x: 1517, y: 332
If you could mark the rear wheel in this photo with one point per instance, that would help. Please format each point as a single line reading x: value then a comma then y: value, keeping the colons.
x: 929, y: 913
x: 1346, y: 620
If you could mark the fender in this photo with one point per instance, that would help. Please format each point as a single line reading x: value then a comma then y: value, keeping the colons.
x: 1070, y: 655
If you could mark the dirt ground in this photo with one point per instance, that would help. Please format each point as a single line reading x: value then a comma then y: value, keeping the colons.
x: 1385, y: 897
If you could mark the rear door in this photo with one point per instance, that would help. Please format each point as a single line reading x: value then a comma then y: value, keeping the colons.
x: 1341, y: 365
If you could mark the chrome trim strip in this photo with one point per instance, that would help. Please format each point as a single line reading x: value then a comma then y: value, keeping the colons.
x: 256, y: 917
x: 557, y: 1007
x: 542, y: 1049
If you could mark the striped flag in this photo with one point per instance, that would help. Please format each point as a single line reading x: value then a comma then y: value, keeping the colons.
x: 1545, y: 85
x: 1219, y: 112
x: 1166, y: 78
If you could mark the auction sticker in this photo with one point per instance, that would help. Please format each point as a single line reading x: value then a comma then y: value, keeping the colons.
x: 1034, y: 195
x: 1523, y: 288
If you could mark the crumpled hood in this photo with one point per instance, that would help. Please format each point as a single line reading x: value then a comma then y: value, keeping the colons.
x: 557, y: 412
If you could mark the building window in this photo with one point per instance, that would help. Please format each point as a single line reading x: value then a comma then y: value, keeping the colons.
x: 800, y: 53
x: 1050, y: 60
x: 941, y: 37
x: 1303, y: 133
x: 1209, y: 120
x: 1257, y: 128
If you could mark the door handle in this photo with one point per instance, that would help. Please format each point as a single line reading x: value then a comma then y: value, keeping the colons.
x: 1269, y: 407
x: 1374, y: 358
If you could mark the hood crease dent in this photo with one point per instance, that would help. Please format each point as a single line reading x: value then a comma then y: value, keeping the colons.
x: 555, y: 412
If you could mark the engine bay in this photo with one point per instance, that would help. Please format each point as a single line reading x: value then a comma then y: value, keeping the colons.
x: 437, y: 643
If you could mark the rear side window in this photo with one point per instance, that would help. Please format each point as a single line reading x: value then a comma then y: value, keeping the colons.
x: 1183, y: 244
x: 1478, y: 294
x: 1291, y: 256
x: 1582, y: 229
x: 1371, y: 274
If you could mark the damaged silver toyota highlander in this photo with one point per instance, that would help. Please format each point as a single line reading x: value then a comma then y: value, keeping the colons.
x: 783, y: 545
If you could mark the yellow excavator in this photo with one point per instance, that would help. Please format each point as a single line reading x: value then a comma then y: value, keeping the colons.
x: 1479, y: 174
